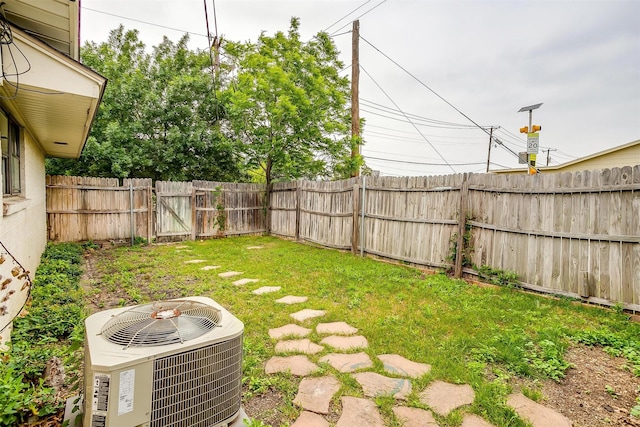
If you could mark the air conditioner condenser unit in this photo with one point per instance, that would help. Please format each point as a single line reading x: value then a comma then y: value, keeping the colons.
x: 175, y: 363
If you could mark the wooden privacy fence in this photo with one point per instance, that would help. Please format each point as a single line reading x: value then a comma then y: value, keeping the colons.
x: 574, y: 234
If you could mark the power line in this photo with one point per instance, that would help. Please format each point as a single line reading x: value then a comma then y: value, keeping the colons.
x: 409, y: 162
x: 417, y: 129
x: 390, y: 110
x: 360, y: 16
x: 363, y: 4
x: 143, y: 22
x: 434, y: 92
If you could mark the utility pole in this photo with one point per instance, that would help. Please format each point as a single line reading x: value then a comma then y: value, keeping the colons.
x: 355, y: 101
x: 549, y: 150
x: 490, y: 142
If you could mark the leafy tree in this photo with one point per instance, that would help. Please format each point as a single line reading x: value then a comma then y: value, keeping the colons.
x: 159, y: 117
x: 287, y: 106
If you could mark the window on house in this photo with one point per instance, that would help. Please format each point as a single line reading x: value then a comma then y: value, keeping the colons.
x: 10, y: 137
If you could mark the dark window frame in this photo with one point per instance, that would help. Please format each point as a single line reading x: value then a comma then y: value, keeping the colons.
x: 11, y: 158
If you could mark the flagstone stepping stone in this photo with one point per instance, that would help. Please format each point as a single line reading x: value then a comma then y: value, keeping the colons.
x: 298, y: 346
x: 314, y: 394
x: 209, y: 267
x: 255, y: 247
x: 290, y: 299
x: 195, y: 261
x: 378, y: 385
x: 414, y: 417
x: 244, y: 281
x: 537, y: 414
x: 398, y: 365
x: 443, y: 397
x: 227, y: 274
x: 296, y: 365
x: 359, y: 412
x: 309, y: 419
x: 266, y: 290
x: 345, y: 343
x: 348, y: 362
x: 182, y: 247
x: 336, y: 328
x: 307, y: 313
x: 471, y: 420
x: 289, y: 330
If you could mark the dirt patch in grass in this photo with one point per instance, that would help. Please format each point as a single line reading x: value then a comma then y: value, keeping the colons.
x: 599, y: 391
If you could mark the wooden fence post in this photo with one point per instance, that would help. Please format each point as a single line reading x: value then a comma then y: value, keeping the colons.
x: 355, y: 228
x: 462, y: 225
x: 193, y: 212
x: 298, y: 198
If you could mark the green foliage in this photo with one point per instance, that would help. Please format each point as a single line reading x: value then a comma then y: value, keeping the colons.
x: 159, y: 117
x: 498, y: 277
x: 52, y: 326
x: 619, y: 344
x: 288, y: 106
x: 467, y: 249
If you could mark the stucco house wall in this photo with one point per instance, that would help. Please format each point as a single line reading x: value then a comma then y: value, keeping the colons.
x: 23, y: 224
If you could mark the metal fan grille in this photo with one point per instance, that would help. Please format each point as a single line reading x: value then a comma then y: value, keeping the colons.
x: 161, y: 323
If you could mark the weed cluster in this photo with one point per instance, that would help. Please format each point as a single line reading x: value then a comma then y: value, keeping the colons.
x: 51, y: 326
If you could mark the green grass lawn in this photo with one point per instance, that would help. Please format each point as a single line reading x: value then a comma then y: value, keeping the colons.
x: 480, y: 336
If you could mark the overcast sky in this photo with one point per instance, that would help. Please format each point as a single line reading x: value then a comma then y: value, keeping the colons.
x: 487, y: 58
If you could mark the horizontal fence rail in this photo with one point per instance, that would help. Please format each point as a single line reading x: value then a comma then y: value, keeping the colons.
x: 574, y: 234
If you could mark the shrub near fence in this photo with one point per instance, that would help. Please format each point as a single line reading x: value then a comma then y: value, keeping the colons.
x: 574, y: 234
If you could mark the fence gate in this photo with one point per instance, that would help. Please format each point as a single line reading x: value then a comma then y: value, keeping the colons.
x: 174, y: 201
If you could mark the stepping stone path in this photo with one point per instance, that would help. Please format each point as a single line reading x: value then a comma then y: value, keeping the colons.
x: 298, y: 346
x: 307, y: 313
x: 296, y: 365
x: 398, y: 365
x: 309, y: 419
x: 255, y: 247
x: 414, y: 417
x: 345, y: 343
x: 359, y: 412
x: 443, y: 397
x: 289, y: 330
x: 290, y: 299
x: 537, y: 414
x: 244, y: 281
x: 209, y: 267
x: 378, y: 385
x: 182, y: 247
x: 348, y: 362
x: 266, y: 290
x: 195, y: 261
x: 315, y: 393
x: 228, y: 274
x: 336, y: 328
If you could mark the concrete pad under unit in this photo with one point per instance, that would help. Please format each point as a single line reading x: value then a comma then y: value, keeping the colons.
x: 244, y: 281
x: 345, y: 343
x: 336, y: 328
x: 348, y: 362
x: 414, y: 417
x: 398, y: 365
x: 299, y: 366
x: 378, y: 385
x: 538, y: 415
x: 289, y: 330
x: 314, y: 394
x: 443, y: 397
x: 228, y: 274
x: 298, y: 346
x: 290, y: 299
x: 266, y: 290
x: 309, y: 419
x: 307, y: 313
x: 359, y: 412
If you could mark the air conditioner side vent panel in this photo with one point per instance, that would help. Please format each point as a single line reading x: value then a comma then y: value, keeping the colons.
x: 198, y: 388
